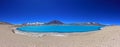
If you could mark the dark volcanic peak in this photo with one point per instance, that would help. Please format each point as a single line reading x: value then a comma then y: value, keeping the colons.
x: 55, y: 22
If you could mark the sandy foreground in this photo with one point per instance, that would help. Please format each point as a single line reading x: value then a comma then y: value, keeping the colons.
x: 107, y: 37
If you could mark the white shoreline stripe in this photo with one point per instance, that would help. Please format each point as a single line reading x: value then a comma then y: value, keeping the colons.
x: 48, y: 34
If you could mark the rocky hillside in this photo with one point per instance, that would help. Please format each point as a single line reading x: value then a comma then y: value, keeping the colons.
x: 5, y: 23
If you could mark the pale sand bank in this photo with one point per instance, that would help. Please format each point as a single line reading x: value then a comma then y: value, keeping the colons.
x: 107, y: 37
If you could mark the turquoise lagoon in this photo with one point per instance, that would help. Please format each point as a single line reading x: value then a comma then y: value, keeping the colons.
x: 58, y: 29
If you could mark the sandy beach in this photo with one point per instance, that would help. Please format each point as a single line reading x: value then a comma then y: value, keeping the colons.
x: 107, y: 37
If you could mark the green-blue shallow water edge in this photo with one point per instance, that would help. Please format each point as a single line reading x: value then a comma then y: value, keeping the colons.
x: 58, y: 29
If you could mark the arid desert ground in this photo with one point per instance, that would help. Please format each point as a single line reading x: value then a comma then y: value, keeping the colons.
x: 107, y: 37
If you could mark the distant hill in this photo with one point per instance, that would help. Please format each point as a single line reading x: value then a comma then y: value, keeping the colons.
x: 5, y: 23
x: 34, y: 23
x: 87, y: 23
x: 92, y: 23
x: 55, y: 22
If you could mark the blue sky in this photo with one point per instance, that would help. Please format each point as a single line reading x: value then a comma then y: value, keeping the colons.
x: 68, y: 11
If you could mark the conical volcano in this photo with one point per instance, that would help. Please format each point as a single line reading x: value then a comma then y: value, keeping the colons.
x: 55, y: 22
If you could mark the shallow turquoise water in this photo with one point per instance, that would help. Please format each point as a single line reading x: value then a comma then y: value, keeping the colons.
x: 59, y: 29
